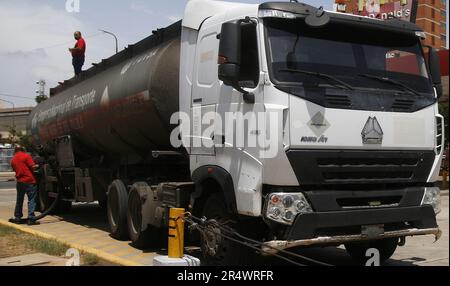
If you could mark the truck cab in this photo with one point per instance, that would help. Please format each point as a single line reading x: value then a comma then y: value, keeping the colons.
x: 308, y: 127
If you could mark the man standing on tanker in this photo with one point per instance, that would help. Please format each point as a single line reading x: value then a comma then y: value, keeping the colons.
x: 24, y: 167
x: 78, y: 52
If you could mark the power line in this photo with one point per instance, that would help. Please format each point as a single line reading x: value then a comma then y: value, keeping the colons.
x: 206, y: 229
x: 16, y: 96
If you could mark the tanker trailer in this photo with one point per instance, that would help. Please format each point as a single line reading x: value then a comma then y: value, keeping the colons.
x: 112, y: 122
x: 334, y: 139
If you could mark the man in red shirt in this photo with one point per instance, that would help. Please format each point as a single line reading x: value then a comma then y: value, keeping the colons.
x: 24, y: 166
x: 78, y: 53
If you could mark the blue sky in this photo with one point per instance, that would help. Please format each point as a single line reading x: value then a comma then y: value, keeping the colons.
x: 36, y: 35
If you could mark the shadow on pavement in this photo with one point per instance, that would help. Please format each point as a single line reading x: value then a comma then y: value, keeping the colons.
x: 92, y: 216
x: 86, y: 215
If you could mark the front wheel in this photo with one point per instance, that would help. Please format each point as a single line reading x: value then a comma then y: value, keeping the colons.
x: 386, y: 247
x: 218, y: 250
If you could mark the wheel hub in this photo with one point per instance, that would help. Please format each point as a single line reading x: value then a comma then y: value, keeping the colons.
x: 213, y: 239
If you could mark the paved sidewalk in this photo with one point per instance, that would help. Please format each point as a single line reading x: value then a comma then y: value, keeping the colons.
x: 37, y: 259
x: 84, y: 229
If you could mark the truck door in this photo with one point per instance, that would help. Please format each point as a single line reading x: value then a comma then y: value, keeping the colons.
x: 240, y: 140
x: 205, y: 91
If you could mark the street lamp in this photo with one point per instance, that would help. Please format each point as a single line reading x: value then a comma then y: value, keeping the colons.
x: 115, y: 37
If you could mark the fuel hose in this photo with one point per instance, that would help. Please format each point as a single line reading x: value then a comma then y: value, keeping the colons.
x: 54, y: 203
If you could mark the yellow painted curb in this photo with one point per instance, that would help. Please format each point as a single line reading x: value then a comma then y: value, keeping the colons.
x: 100, y: 254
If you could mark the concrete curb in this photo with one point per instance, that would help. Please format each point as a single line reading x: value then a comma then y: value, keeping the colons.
x: 7, y: 177
x: 100, y: 254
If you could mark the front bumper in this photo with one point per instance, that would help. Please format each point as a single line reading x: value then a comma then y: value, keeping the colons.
x: 273, y: 247
x: 339, y: 227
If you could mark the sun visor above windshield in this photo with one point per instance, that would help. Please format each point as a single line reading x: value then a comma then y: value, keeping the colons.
x: 290, y: 10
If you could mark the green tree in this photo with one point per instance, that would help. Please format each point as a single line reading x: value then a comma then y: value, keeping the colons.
x: 13, y: 137
x: 41, y: 98
x: 17, y: 138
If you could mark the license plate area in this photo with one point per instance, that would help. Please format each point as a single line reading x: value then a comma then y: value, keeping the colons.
x: 372, y: 231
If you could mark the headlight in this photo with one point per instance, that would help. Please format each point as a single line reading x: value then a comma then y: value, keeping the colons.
x: 284, y: 207
x: 432, y: 197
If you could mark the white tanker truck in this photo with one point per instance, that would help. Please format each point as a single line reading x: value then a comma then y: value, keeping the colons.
x: 294, y: 125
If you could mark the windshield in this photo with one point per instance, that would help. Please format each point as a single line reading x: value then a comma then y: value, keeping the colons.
x: 359, y: 57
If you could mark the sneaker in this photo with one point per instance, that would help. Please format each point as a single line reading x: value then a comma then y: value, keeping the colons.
x: 15, y: 220
x: 33, y: 222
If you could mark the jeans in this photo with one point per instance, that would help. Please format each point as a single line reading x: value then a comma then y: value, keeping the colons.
x: 31, y: 192
x: 77, y: 63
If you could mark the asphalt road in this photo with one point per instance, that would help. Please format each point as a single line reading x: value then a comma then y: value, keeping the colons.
x: 420, y: 251
x: 7, y: 197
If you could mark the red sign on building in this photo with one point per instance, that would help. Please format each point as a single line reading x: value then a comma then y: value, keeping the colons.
x: 380, y: 9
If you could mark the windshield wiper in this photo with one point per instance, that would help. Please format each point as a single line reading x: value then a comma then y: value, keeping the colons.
x: 392, y: 81
x: 322, y: 75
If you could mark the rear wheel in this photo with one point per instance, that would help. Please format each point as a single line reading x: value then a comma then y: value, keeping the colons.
x: 141, y: 238
x: 217, y: 250
x: 117, y: 210
x: 386, y: 247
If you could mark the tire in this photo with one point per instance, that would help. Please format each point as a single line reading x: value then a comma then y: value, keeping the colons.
x: 117, y: 210
x: 227, y: 252
x: 386, y: 247
x: 141, y: 239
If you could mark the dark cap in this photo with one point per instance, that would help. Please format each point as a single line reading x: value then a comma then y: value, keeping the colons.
x: 18, y: 149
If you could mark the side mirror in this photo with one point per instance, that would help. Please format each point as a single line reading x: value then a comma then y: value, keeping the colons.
x: 435, y: 71
x: 230, y: 56
x: 230, y: 53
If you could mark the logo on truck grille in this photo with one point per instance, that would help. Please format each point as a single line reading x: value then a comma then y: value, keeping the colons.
x: 372, y: 132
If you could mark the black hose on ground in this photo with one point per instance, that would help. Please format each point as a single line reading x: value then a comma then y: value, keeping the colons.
x: 49, y: 210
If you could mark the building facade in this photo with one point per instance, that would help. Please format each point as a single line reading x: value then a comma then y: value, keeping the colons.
x: 430, y: 15
x: 13, y: 118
